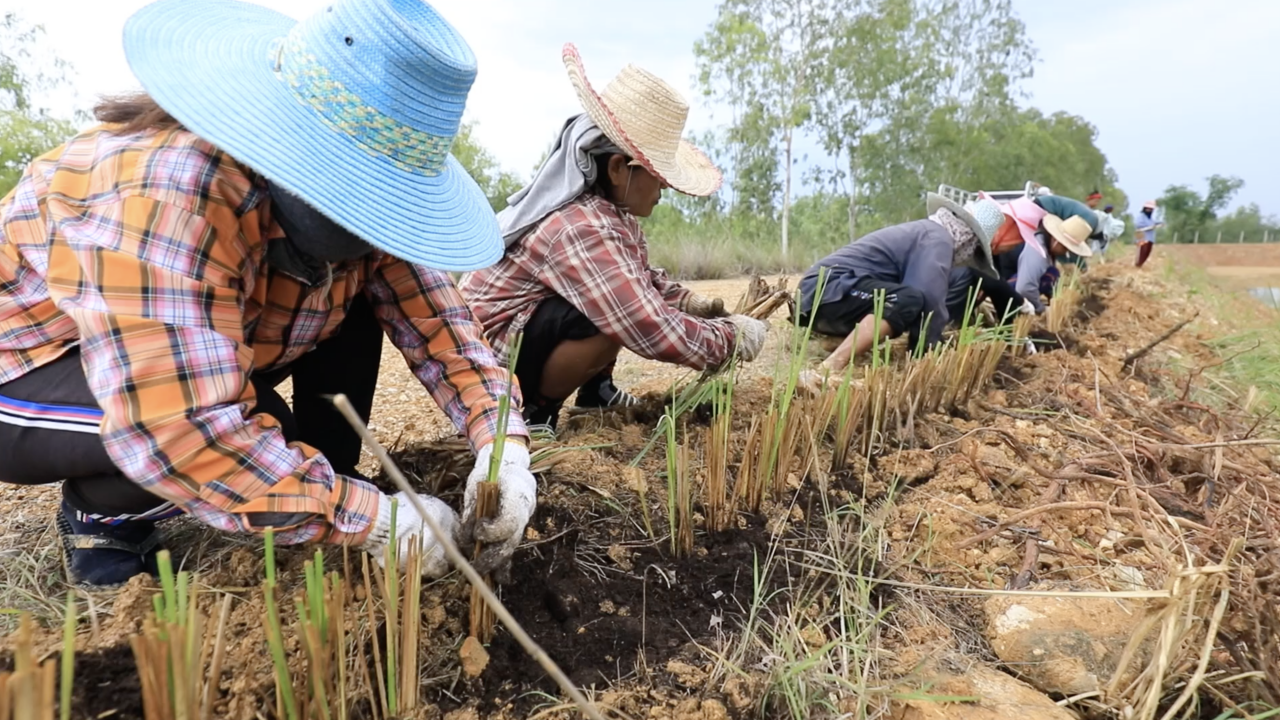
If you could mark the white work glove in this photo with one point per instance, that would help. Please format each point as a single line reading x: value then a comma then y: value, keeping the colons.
x: 518, y: 496
x: 814, y: 381
x: 810, y: 382
x: 1027, y: 308
x: 411, y: 528
x: 751, y: 336
x: 703, y: 307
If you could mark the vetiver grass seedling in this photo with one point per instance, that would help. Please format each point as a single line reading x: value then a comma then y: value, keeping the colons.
x: 286, y: 700
x: 172, y: 652
x: 1066, y: 299
x: 679, y: 493
x: 27, y: 693
x: 488, y: 496
x: 715, y: 500
x: 322, y: 633
x: 776, y: 441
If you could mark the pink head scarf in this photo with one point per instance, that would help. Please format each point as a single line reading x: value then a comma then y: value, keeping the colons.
x: 1027, y: 216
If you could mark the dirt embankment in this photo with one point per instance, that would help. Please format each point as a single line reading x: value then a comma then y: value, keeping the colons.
x: 1239, y: 266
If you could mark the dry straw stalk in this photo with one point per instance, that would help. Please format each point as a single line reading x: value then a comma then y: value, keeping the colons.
x: 27, y: 693
x: 459, y: 561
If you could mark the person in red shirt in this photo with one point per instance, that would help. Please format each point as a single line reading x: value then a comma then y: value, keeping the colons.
x: 575, y: 283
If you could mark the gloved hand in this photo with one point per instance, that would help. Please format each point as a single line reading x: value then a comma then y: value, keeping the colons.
x: 751, y: 335
x: 810, y: 382
x: 703, y: 307
x: 1027, y: 308
x: 814, y: 381
x: 518, y: 496
x: 411, y: 528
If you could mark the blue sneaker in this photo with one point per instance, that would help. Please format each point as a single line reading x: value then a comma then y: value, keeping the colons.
x: 105, y: 553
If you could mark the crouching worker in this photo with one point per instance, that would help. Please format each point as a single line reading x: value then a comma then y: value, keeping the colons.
x: 1037, y: 273
x: 576, y: 283
x: 160, y: 274
x: 909, y: 265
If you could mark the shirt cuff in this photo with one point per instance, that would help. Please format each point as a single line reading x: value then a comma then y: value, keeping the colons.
x: 355, y: 511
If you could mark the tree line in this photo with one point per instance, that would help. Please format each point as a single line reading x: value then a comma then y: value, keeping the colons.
x: 1194, y: 217
x: 841, y: 115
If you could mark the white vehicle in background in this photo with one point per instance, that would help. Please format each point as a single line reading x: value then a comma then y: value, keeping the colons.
x: 1031, y: 189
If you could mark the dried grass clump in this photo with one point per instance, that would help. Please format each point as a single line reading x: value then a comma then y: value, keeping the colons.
x: 179, y: 664
x: 27, y: 693
x: 761, y: 300
x: 1066, y: 301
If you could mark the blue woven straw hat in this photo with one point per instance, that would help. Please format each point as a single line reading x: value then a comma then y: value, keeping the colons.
x: 353, y: 109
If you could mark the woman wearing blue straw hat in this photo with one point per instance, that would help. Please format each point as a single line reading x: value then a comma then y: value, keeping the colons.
x: 280, y: 197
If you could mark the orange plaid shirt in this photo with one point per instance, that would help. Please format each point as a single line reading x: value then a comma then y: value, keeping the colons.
x: 148, y: 251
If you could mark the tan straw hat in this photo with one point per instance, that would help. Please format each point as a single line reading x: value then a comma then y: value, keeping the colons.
x: 645, y: 117
x: 1073, y: 232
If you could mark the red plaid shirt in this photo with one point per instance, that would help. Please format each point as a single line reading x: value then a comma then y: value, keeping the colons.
x: 595, y: 257
x: 148, y: 250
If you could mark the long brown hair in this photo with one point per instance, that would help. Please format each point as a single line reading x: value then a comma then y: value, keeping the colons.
x: 134, y: 112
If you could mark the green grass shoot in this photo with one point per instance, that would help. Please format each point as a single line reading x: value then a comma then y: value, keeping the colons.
x: 286, y: 700
x: 504, y: 409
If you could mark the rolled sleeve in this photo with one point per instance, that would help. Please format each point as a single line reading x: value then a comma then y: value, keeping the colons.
x: 426, y: 318
x: 166, y: 359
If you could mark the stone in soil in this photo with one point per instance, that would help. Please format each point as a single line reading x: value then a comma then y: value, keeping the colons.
x: 473, y: 656
x: 1065, y: 645
x: 998, y: 696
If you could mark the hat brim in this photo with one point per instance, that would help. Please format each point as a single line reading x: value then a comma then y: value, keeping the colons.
x: 982, y: 261
x: 1054, y: 226
x: 690, y: 171
x: 1026, y: 229
x: 207, y: 63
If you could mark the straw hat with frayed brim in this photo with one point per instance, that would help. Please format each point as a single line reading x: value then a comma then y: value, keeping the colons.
x: 983, y: 216
x: 645, y: 118
x: 353, y: 109
x: 1073, y: 232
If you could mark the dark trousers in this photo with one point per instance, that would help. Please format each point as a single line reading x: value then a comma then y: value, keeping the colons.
x: 553, y: 322
x: 346, y: 363
x: 1144, y: 252
x: 1004, y: 299
x: 903, y: 309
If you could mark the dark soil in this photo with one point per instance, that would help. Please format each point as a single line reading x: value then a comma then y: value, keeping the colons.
x: 106, y: 683
x: 596, y: 619
x: 107, y: 680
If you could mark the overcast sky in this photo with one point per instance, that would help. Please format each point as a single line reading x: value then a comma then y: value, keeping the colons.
x: 1179, y: 89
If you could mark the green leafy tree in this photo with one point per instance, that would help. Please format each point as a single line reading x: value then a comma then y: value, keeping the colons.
x: 872, y: 75
x: 756, y: 59
x: 1187, y: 212
x: 27, y: 129
x: 496, y: 183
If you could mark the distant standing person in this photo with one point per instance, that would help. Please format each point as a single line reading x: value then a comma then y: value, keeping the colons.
x: 576, y: 279
x: 1144, y: 232
x: 909, y: 265
x: 1094, y: 200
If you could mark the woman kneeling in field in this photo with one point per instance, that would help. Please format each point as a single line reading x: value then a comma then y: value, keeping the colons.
x: 576, y: 282
x: 906, y: 268
x: 266, y: 210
